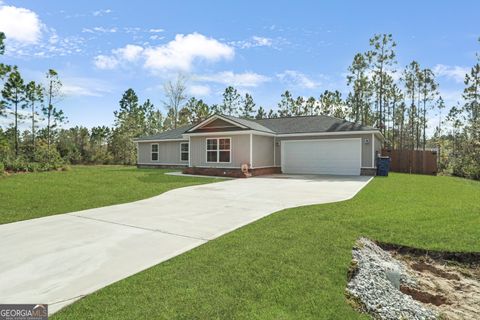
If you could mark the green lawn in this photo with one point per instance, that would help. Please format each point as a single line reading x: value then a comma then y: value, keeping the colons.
x: 293, y: 264
x: 33, y: 195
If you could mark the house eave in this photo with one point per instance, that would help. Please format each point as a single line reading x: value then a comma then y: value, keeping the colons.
x: 228, y: 133
x: 160, y: 140
x: 329, y: 133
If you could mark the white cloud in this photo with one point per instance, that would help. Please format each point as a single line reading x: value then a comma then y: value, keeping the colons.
x: 456, y: 73
x: 253, y: 42
x: 297, y: 78
x: 262, y: 41
x: 180, y: 53
x: 100, y: 13
x: 105, y: 62
x: 89, y: 87
x: 156, y: 37
x: 177, y: 55
x: 20, y: 24
x: 228, y: 78
x: 129, y: 53
x: 199, y: 90
x: 99, y: 30
x: 156, y: 30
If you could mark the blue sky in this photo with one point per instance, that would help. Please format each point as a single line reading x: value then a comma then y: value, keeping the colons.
x: 101, y: 48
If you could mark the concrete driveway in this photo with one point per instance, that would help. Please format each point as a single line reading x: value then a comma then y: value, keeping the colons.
x: 59, y: 259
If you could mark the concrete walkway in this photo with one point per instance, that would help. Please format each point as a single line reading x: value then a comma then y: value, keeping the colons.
x: 59, y: 259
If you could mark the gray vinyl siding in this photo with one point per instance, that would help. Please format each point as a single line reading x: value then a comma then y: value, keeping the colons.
x: 168, y: 153
x: 366, y: 148
x: 262, y: 151
x: 240, y: 151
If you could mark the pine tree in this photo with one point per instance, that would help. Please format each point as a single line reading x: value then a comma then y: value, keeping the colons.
x: 261, y: 114
x: 410, y: 79
x: 359, y: 100
x: 428, y: 92
x: 34, y: 94
x: 272, y: 114
x: 53, y: 114
x: 199, y: 110
x: 382, y: 59
x: 247, y: 108
x: 286, y: 105
x: 13, y: 94
x: 231, y: 102
x: 331, y: 104
x: 309, y: 106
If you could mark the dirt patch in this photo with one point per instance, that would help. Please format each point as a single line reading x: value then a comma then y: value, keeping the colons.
x: 450, y: 287
x: 423, y: 296
x: 422, y: 267
x: 392, y: 282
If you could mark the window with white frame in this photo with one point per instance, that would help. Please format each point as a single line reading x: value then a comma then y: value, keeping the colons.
x: 154, y: 151
x: 184, y: 151
x: 218, y: 149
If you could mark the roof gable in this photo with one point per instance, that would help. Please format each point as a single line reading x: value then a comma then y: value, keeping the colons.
x: 227, y: 123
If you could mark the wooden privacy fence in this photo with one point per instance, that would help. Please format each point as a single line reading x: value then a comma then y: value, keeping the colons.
x: 412, y: 161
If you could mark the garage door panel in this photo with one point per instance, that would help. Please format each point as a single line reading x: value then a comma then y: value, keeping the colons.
x: 341, y: 156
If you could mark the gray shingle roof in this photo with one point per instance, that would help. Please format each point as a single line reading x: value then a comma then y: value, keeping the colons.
x: 301, y: 124
x: 252, y: 124
x: 170, y: 134
x: 306, y: 124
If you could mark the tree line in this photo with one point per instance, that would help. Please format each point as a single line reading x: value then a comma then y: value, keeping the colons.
x: 397, y: 101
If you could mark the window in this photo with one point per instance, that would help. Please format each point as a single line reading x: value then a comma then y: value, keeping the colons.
x: 218, y: 150
x: 184, y: 151
x: 154, y: 148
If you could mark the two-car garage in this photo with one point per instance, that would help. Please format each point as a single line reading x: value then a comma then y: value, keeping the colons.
x: 322, y: 156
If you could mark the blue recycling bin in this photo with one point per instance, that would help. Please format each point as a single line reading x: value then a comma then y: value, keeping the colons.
x: 383, y: 166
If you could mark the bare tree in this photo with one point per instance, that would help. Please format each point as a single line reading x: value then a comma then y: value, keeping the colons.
x: 175, y: 95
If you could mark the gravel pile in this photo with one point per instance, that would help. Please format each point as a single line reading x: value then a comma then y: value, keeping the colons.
x: 375, y: 284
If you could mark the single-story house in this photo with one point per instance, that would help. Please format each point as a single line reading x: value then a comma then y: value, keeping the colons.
x: 223, y: 145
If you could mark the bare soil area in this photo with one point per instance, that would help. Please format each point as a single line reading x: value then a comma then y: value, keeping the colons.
x: 450, y: 287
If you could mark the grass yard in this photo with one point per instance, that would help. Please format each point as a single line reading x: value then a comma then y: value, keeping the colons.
x: 293, y: 264
x: 33, y: 195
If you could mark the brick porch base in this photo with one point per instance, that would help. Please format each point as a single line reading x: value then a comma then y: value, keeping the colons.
x: 368, y: 171
x: 234, y: 173
x: 160, y: 166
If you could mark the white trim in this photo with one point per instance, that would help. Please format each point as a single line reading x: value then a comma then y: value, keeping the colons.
x: 161, y: 164
x: 325, y: 133
x: 218, y: 150
x: 188, y: 144
x: 161, y: 140
x: 282, y: 149
x: 228, y: 133
x: 251, y: 150
x: 151, y: 152
x: 274, y: 150
x: 213, y: 118
x: 373, y: 151
x: 189, y: 156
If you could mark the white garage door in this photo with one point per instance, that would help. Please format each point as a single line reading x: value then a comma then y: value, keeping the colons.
x: 335, y: 156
